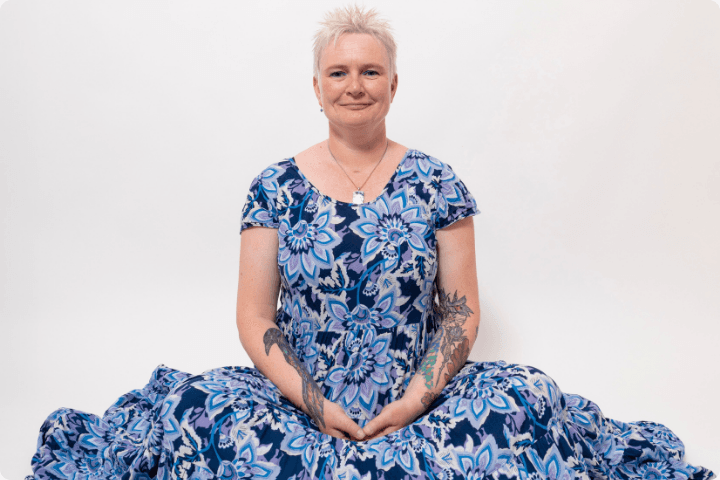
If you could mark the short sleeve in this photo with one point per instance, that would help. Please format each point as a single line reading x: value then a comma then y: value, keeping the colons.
x: 260, y: 209
x: 453, y: 201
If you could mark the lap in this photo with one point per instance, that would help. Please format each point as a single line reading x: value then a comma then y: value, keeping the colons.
x: 233, y: 421
x: 497, y: 386
x: 222, y: 390
x: 494, y: 398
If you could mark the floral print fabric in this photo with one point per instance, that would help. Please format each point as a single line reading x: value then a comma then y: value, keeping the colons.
x: 357, y: 279
x: 356, y: 306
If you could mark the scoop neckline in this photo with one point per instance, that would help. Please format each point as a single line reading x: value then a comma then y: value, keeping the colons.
x: 333, y: 200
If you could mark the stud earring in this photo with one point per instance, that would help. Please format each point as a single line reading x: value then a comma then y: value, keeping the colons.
x: 321, y: 109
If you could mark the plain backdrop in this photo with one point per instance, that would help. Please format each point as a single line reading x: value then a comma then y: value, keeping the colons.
x: 588, y: 133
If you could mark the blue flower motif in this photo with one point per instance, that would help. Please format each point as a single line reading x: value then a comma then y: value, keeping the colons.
x: 383, y: 313
x: 576, y: 407
x: 248, y: 463
x: 447, y: 191
x: 553, y: 466
x: 307, y: 247
x: 439, y: 178
x: 222, y: 391
x: 608, y: 446
x: 482, y: 462
x: 361, y: 370
x: 150, y: 433
x: 483, y: 393
x: 662, y: 437
x: 92, y: 466
x: 260, y: 208
x: 423, y: 302
x: 309, y: 445
x: 661, y: 470
x: 348, y: 472
x: 96, y: 436
x: 401, y: 448
x: 304, y: 332
x: 420, y: 164
x: 171, y: 426
x: 655, y: 471
x: 268, y: 177
x: 389, y: 222
x: 440, y: 424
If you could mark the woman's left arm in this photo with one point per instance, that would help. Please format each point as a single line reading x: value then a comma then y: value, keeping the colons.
x: 458, y: 310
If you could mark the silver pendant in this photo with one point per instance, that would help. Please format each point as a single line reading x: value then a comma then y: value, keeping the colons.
x: 358, y: 197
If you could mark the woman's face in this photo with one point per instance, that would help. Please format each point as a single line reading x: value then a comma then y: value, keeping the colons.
x: 354, y: 88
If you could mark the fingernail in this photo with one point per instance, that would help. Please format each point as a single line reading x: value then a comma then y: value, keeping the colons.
x: 360, y: 434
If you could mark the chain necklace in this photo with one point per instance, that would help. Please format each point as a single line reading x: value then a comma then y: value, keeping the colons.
x: 359, y: 195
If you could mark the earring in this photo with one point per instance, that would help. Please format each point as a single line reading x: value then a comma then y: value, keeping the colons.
x: 321, y: 109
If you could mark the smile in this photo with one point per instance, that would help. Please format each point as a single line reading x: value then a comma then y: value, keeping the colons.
x: 356, y: 106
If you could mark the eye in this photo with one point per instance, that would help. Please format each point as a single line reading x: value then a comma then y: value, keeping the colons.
x: 337, y: 74
x: 371, y: 73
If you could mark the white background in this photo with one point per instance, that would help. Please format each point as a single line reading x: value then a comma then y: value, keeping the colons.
x: 588, y: 132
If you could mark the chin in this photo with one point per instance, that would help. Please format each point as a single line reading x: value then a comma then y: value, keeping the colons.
x: 356, y: 122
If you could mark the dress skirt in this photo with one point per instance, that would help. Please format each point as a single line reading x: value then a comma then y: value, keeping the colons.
x: 492, y: 421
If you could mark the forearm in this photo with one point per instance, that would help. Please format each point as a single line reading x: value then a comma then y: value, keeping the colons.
x: 448, y: 350
x: 273, y: 356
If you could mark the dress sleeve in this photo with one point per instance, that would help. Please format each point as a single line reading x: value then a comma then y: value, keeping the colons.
x: 260, y: 209
x: 453, y: 201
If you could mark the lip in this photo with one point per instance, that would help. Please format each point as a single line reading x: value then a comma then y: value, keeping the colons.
x: 355, y: 106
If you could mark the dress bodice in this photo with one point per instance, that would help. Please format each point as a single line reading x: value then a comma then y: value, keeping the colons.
x: 357, y: 280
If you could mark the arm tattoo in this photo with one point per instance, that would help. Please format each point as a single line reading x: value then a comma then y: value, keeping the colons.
x: 450, y: 340
x: 312, y: 396
x: 426, y: 367
x: 428, y: 399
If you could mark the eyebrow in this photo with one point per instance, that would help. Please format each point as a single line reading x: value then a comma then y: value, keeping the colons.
x: 362, y: 67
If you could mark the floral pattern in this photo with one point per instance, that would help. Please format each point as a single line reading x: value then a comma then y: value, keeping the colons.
x: 356, y: 306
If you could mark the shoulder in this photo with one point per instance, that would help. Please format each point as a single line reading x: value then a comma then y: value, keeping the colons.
x: 275, y: 170
x: 435, y: 181
x: 309, y: 159
x: 264, y: 196
x: 271, y: 178
x: 425, y: 168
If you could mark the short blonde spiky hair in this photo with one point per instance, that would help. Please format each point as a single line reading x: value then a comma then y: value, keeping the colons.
x: 353, y: 19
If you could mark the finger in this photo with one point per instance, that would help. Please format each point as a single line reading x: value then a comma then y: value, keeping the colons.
x: 390, y: 429
x: 385, y: 431
x: 375, y: 425
x: 351, y: 428
x: 337, y: 433
x: 376, y: 435
x: 344, y: 424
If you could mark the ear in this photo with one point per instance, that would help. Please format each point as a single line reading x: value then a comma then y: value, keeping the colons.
x: 316, y: 86
x: 393, y: 87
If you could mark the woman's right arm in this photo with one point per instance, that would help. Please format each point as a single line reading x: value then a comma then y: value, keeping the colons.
x: 258, y: 289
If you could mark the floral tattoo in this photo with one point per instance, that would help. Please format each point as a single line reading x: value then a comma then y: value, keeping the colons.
x: 428, y: 399
x: 450, y: 341
x: 312, y: 396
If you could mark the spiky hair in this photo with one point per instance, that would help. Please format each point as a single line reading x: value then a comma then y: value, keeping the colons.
x: 353, y: 19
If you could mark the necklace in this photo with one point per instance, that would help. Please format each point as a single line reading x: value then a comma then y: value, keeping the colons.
x: 359, y: 195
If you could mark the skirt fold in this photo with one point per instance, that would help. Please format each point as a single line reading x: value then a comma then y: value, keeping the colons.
x: 492, y: 421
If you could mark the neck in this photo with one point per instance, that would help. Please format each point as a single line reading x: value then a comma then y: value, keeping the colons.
x: 359, y: 148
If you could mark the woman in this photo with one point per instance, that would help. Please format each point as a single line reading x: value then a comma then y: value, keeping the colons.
x: 362, y: 372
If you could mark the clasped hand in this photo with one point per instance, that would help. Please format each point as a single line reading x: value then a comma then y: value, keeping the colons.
x: 394, y: 416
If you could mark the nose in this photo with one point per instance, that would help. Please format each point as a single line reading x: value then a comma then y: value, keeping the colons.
x: 355, y: 87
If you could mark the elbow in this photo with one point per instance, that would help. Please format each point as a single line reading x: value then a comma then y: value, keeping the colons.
x: 241, y: 322
x: 252, y: 324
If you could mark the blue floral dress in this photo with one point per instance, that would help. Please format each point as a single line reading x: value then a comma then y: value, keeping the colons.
x: 356, y: 306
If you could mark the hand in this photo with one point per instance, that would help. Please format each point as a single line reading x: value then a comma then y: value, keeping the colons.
x: 394, y: 416
x: 338, y: 424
